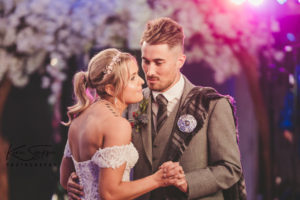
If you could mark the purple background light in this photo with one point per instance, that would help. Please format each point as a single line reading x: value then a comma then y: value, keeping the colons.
x: 281, y: 1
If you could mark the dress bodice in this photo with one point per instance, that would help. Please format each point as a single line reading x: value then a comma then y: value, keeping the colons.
x: 109, y: 157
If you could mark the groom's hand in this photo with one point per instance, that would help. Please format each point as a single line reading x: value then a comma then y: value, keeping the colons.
x: 175, y: 175
x: 74, y: 189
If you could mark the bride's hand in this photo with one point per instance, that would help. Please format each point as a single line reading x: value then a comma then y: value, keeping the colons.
x: 163, y: 181
x: 159, y: 178
x: 173, y: 174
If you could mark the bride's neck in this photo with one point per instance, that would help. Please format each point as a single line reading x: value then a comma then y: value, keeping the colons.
x: 116, y: 104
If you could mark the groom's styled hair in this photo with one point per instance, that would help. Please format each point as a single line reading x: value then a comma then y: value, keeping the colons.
x: 163, y: 31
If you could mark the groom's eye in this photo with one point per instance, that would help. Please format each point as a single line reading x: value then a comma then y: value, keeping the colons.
x: 159, y: 63
x: 146, y: 61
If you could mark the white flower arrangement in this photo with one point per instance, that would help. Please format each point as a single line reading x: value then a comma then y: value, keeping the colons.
x: 34, y: 30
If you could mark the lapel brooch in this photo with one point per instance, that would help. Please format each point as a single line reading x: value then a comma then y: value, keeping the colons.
x: 186, y: 123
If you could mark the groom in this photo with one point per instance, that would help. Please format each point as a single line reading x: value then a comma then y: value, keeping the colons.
x: 194, y: 127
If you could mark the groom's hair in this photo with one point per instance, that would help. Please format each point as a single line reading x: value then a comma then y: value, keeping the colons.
x: 163, y: 31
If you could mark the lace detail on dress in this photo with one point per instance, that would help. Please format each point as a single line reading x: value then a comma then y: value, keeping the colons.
x: 110, y: 157
x: 113, y: 157
x: 67, y: 152
x: 88, y: 174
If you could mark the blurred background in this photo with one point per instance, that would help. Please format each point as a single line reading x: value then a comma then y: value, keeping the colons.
x: 249, y: 49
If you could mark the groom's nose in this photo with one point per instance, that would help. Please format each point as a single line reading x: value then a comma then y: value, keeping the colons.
x: 150, y: 70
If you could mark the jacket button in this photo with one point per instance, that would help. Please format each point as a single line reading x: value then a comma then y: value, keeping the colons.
x: 155, y: 145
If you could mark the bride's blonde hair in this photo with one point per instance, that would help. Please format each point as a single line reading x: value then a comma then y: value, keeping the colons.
x: 109, y: 66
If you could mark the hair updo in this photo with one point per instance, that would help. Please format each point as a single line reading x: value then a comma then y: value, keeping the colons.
x: 109, y: 66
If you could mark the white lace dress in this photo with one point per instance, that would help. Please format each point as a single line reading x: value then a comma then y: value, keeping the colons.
x: 109, y: 157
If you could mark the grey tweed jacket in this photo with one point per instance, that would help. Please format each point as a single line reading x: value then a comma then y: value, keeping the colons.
x: 211, y: 162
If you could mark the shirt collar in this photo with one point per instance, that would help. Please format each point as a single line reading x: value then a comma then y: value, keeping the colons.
x: 174, y: 92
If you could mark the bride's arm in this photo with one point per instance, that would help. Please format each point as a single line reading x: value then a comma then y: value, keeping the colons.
x: 111, y: 185
x: 66, y: 168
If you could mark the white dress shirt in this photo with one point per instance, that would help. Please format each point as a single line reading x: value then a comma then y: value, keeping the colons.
x: 172, y: 95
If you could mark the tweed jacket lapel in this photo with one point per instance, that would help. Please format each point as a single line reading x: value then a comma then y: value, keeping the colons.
x: 147, y: 130
x: 188, y: 86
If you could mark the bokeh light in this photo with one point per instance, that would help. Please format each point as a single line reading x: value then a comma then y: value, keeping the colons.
x: 288, y: 48
x: 54, y: 61
x: 291, y: 37
x: 256, y: 2
x: 281, y: 1
x: 238, y: 2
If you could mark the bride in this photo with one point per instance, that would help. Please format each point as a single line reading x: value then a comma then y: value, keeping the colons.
x: 99, y: 144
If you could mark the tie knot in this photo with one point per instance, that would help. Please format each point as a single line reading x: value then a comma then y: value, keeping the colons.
x: 161, y: 100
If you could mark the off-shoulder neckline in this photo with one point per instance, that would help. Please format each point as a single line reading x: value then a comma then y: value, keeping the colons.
x: 102, y: 150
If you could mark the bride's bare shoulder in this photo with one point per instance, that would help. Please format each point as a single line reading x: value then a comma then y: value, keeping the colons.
x: 117, y: 124
x: 117, y: 131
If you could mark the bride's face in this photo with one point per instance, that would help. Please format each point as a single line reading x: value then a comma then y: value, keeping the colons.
x: 132, y: 93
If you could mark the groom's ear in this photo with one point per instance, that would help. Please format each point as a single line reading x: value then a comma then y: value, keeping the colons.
x: 179, y: 55
x: 181, y: 60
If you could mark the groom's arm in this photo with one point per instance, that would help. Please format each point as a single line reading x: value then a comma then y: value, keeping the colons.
x: 224, y: 168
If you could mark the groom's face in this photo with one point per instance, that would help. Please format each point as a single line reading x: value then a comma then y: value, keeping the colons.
x: 161, y: 65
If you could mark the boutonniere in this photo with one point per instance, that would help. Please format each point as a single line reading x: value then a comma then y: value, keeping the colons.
x: 140, y: 117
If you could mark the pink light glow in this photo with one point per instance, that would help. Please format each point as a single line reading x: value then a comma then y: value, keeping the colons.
x: 256, y: 2
x: 239, y: 2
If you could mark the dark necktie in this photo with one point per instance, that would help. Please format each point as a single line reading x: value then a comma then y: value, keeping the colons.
x: 162, y: 111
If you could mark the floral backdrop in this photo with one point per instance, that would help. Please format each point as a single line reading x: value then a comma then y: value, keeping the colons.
x: 34, y: 30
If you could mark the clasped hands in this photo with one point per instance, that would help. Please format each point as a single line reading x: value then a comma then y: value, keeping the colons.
x: 173, y: 174
x: 170, y: 172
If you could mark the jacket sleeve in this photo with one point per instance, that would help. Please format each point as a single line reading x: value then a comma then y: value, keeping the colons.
x: 224, y: 167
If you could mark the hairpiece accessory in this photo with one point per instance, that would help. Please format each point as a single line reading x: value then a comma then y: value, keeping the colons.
x: 115, y: 59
